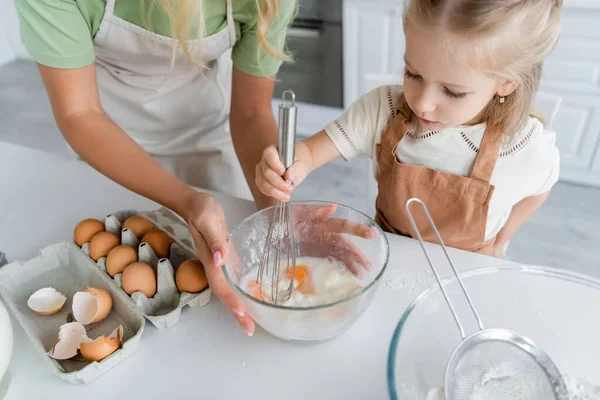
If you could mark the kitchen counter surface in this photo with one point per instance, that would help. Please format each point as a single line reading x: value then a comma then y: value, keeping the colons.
x: 206, y: 355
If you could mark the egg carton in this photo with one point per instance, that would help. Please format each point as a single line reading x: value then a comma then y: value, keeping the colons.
x: 163, y: 310
x: 64, y: 267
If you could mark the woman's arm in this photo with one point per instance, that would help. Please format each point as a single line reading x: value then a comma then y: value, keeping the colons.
x: 519, y: 214
x: 73, y: 95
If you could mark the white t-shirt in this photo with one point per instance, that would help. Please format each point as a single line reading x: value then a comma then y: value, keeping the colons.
x: 528, y: 163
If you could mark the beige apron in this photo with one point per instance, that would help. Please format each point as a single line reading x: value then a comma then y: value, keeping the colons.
x: 180, y: 116
x: 458, y: 204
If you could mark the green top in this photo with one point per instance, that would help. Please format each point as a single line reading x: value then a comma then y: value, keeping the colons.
x: 59, y: 33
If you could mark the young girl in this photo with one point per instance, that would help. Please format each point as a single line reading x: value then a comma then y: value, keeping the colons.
x: 459, y: 133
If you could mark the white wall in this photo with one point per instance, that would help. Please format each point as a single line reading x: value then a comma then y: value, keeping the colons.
x: 10, y: 41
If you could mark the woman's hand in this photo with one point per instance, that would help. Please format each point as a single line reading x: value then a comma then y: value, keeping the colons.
x: 322, y: 236
x: 207, y: 224
x: 272, y: 178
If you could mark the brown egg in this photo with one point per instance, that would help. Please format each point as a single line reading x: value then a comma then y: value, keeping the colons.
x: 119, y: 258
x: 102, y: 243
x: 160, y: 242
x: 86, y: 229
x: 190, y: 277
x: 139, y: 277
x: 138, y: 225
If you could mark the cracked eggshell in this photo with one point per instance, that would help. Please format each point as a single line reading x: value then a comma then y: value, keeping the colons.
x: 46, y: 301
x: 86, y: 229
x: 102, y: 243
x: 101, y: 347
x: 69, y: 339
x: 160, y: 242
x: 91, y: 305
x: 138, y: 225
x: 119, y: 258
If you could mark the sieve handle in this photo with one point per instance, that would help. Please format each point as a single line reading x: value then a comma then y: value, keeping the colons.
x: 437, y: 277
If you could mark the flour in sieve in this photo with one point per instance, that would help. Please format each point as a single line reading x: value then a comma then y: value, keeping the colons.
x: 577, y: 389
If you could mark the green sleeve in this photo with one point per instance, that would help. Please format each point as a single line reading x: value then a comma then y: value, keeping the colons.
x: 55, y: 33
x: 246, y: 55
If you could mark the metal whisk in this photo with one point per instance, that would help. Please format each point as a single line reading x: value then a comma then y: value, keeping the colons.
x: 280, y: 246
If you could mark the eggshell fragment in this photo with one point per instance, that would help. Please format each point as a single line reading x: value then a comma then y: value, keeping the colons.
x: 138, y: 225
x: 102, y: 243
x: 69, y: 339
x: 102, y: 347
x: 139, y: 277
x: 160, y: 242
x: 86, y: 229
x: 119, y: 258
x: 72, y: 338
x: 46, y: 301
x: 190, y: 277
x: 91, y: 305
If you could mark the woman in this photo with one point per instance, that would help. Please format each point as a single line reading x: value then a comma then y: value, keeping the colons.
x: 142, y: 91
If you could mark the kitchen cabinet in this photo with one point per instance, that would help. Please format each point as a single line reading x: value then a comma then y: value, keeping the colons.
x: 569, y: 94
x: 373, y: 46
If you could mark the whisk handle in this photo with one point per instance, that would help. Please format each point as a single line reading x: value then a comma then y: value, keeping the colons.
x: 287, y: 128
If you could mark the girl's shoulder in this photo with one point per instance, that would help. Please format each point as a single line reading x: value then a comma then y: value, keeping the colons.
x: 532, y: 139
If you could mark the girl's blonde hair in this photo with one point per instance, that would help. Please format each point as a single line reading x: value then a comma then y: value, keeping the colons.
x: 517, y: 35
x: 186, y: 18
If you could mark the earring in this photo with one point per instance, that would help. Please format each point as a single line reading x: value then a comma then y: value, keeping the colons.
x: 502, y: 99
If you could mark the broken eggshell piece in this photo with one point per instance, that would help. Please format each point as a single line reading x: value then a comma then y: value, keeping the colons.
x: 69, y: 338
x: 91, y: 305
x: 46, y: 301
x: 72, y: 338
x: 101, y: 347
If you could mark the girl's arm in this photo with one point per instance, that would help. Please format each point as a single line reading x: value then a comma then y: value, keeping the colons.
x: 519, y: 214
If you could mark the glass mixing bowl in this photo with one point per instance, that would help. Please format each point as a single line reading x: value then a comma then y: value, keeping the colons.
x: 557, y: 309
x: 318, y: 322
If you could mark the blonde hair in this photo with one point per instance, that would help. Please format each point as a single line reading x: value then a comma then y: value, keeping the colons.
x: 517, y: 36
x: 186, y: 18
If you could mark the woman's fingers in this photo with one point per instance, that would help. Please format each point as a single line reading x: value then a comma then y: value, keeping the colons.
x: 342, y: 225
x: 209, y: 232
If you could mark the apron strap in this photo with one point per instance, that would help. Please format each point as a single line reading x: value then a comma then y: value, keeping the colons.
x: 230, y: 23
x: 394, y: 132
x: 487, y: 155
x: 109, y: 10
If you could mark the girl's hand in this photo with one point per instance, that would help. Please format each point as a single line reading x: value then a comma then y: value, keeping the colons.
x: 273, y: 180
x: 207, y: 224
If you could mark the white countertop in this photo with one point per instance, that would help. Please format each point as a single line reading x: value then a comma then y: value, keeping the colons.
x: 43, y: 196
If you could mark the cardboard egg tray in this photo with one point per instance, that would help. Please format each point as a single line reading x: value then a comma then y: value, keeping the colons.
x: 163, y: 310
x: 68, y: 268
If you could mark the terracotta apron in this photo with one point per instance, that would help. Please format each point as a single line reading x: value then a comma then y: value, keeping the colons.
x: 458, y: 204
x: 180, y: 116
